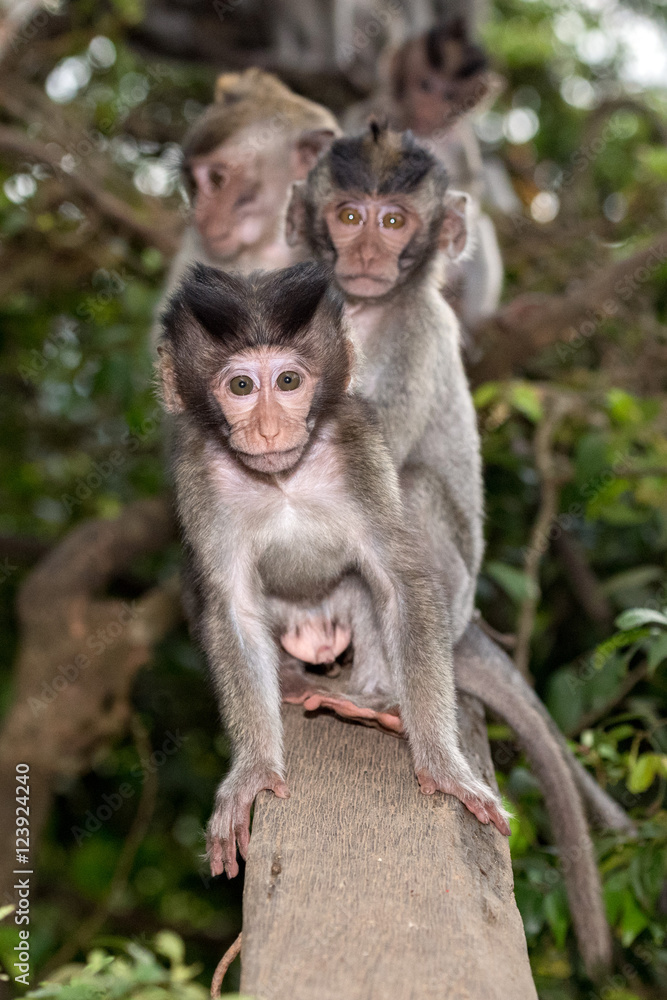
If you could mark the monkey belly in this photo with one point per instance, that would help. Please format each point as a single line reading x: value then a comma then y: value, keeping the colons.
x: 303, y: 575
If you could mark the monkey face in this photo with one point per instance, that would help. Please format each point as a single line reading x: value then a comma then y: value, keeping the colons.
x: 265, y: 395
x: 239, y: 193
x: 434, y: 98
x: 369, y: 233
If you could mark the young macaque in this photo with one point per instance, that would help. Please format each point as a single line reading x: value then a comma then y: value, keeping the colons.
x: 377, y: 209
x: 289, y: 502
x: 239, y: 160
x: 434, y: 84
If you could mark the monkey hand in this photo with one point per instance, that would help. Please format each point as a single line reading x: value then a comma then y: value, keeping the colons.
x: 229, y: 825
x: 473, y: 793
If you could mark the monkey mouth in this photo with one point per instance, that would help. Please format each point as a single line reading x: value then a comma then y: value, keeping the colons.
x: 365, y: 286
x: 271, y: 461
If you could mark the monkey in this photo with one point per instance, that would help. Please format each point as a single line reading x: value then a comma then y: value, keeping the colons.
x: 377, y: 209
x: 288, y: 498
x: 433, y: 85
x: 239, y: 159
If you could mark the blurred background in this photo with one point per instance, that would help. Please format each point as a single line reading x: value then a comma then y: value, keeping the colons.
x: 570, y: 383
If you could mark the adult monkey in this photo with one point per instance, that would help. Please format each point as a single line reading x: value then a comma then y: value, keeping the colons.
x: 376, y: 208
x: 432, y: 85
x: 239, y: 160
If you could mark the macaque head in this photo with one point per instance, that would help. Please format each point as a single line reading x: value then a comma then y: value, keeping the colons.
x: 257, y: 362
x: 439, y: 77
x: 241, y: 156
x: 377, y: 209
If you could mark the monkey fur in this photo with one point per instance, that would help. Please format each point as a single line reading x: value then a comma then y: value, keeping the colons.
x: 239, y: 159
x: 412, y: 372
x: 434, y: 83
x: 289, y: 500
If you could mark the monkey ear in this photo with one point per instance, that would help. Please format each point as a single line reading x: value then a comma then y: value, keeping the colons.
x: 308, y: 148
x: 454, y: 229
x: 295, y: 220
x: 167, y: 382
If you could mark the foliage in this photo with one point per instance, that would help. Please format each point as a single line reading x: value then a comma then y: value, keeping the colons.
x: 80, y: 436
x: 135, y: 974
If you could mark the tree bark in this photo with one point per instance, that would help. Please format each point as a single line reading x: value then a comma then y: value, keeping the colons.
x: 358, y: 886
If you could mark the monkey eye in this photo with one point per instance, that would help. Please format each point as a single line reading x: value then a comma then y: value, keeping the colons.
x: 392, y: 220
x: 241, y: 385
x: 426, y: 86
x: 288, y: 380
x: 216, y: 178
x: 350, y: 216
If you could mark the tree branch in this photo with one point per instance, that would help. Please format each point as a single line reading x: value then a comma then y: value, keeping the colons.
x: 518, y: 331
x: 14, y: 142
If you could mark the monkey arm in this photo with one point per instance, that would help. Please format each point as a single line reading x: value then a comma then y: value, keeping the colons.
x: 244, y: 666
x: 414, y: 633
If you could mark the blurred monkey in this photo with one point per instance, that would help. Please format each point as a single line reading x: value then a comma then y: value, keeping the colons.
x: 239, y: 160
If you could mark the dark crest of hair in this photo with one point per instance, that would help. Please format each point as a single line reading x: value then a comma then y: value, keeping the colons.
x: 380, y: 161
x: 473, y: 56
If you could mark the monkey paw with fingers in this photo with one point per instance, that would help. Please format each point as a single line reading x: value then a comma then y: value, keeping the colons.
x: 229, y: 826
x: 477, y: 799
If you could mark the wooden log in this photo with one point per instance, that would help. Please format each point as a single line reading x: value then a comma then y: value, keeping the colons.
x: 358, y: 886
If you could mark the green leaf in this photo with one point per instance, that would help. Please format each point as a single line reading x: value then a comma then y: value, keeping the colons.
x: 171, y: 946
x: 513, y: 581
x: 645, y: 770
x: 657, y: 652
x: 635, y: 617
x: 486, y: 394
x: 526, y: 400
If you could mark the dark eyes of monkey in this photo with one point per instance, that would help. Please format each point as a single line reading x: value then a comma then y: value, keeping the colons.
x: 241, y: 385
x: 288, y: 381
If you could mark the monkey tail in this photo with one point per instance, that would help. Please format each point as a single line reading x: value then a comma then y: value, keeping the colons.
x: 476, y: 661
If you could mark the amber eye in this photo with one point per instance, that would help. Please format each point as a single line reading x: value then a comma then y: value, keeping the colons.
x: 288, y: 380
x: 241, y: 385
x: 393, y: 220
x: 216, y: 177
x: 350, y: 216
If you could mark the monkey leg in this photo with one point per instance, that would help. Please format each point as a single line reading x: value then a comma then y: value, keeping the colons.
x: 313, y: 692
x: 451, y: 540
x: 476, y: 673
x: 480, y: 661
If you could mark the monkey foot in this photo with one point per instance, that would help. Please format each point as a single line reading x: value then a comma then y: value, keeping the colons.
x: 481, y: 804
x: 229, y: 825
x: 300, y: 689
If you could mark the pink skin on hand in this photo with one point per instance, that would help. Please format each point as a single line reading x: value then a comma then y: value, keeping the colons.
x: 230, y: 824
x: 484, y: 808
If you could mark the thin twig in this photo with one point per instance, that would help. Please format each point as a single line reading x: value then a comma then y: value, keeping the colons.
x: 223, y: 965
x: 556, y: 407
x: 140, y: 824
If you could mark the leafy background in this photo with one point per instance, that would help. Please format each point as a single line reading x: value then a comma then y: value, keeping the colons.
x: 588, y: 161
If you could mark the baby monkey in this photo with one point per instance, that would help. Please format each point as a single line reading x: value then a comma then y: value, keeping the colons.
x: 289, y: 501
